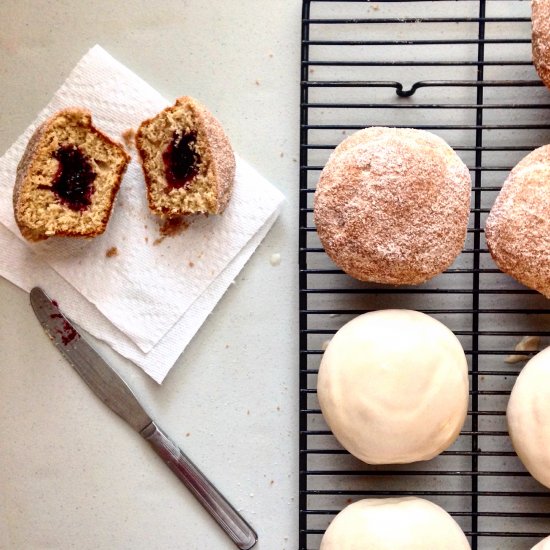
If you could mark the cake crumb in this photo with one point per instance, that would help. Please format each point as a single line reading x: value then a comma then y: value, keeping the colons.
x: 257, y: 82
x: 226, y: 346
x: 128, y: 136
x: 375, y: 7
x: 311, y: 70
x: 191, y: 264
x: 527, y: 343
x: 275, y: 259
x: 187, y: 434
x: 113, y: 251
x: 270, y: 54
x: 146, y: 239
x: 278, y: 408
x: 281, y: 154
x: 156, y: 242
x: 348, y: 501
x: 272, y: 482
x: 173, y: 226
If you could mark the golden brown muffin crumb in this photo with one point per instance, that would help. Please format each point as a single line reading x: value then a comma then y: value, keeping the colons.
x: 40, y: 211
x: 187, y: 160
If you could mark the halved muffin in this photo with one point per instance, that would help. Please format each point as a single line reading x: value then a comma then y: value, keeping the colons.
x: 187, y: 160
x: 68, y: 178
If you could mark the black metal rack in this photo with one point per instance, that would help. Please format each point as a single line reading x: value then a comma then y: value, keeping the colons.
x: 461, y: 69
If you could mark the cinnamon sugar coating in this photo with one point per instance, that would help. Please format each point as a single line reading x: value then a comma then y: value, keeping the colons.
x: 518, y: 226
x: 392, y: 205
x: 540, y: 15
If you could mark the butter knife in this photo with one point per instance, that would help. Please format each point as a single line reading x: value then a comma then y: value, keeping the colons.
x: 116, y: 394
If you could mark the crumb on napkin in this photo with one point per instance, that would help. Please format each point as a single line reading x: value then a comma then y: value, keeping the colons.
x: 113, y: 251
x: 128, y: 136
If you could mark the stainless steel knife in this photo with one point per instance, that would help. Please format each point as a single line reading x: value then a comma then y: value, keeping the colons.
x: 115, y: 393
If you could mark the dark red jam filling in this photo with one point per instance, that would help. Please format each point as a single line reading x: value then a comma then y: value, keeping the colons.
x: 181, y: 160
x: 73, y: 181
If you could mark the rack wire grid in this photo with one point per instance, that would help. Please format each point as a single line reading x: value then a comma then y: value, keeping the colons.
x: 461, y: 69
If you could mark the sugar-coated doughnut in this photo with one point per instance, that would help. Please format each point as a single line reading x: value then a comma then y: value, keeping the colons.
x: 392, y: 205
x: 540, y: 16
x: 518, y: 226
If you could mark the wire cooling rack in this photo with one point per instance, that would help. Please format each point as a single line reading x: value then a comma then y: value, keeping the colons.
x: 462, y: 70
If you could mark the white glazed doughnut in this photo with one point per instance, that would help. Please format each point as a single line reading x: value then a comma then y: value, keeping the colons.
x: 528, y: 416
x: 394, y: 524
x: 393, y: 386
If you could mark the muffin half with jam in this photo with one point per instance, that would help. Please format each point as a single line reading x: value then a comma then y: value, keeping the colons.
x: 187, y: 160
x: 68, y: 178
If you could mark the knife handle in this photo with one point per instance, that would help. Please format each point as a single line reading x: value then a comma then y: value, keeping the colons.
x: 211, y: 499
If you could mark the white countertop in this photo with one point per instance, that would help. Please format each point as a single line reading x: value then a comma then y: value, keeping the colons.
x: 72, y: 475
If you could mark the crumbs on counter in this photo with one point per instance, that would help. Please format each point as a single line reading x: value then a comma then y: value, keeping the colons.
x: 187, y: 434
x: 527, y: 343
x: 191, y: 264
x: 275, y: 259
x: 156, y: 242
x: 257, y: 82
x: 128, y: 136
x: 272, y: 482
x: 173, y: 226
x: 146, y: 239
x: 113, y: 251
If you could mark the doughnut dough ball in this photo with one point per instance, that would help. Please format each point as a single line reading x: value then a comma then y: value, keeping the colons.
x: 518, y: 226
x: 528, y: 416
x: 544, y: 544
x: 393, y: 386
x: 392, y: 205
x: 540, y: 16
x: 394, y: 524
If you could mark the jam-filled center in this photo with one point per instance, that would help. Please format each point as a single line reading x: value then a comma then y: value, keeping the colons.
x: 73, y: 181
x: 181, y: 160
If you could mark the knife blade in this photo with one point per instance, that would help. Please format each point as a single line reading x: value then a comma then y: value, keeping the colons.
x: 117, y: 395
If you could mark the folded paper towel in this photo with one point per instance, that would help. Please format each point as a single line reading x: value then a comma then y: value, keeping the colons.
x: 153, y: 295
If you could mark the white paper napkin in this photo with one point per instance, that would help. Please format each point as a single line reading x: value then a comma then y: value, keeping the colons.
x: 151, y: 298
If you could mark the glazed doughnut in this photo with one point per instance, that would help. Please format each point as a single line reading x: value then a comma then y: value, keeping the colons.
x: 392, y: 205
x: 393, y: 386
x: 394, y: 524
x: 518, y: 227
x: 528, y: 416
